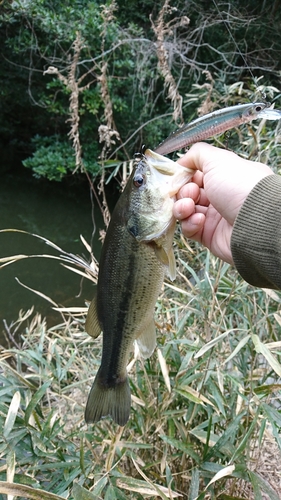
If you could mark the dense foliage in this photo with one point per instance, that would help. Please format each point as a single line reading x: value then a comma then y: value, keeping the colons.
x: 80, y: 80
x: 205, y: 419
x: 119, y: 71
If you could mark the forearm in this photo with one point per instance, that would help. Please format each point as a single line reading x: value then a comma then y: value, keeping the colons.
x: 256, y: 237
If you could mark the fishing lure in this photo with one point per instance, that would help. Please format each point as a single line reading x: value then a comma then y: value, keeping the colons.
x: 216, y: 122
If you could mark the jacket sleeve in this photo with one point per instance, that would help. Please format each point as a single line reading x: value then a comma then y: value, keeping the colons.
x: 256, y: 236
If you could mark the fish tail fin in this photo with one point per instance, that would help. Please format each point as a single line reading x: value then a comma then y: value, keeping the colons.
x: 109, y: 401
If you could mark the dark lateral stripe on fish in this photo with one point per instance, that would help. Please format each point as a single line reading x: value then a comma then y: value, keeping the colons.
x: 111, y: 364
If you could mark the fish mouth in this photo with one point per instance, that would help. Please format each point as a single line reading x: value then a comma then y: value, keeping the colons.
x: 161, y: 163
x: 167, y: 172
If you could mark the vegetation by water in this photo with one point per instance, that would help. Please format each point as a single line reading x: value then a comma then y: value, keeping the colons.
x: 205, y: 420
x: 106, y: 78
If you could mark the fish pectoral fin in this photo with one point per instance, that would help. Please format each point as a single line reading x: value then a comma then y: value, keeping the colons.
x: 161, y: 254
x: 92, y: 325
x: 172, y: 270
x: 147, y: 340
x: 168, y: 259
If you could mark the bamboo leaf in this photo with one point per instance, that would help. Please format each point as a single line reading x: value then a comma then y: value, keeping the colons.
x: 261, y: 348
x: 180, y: 445
x: 245, y: 440
x: 194, y: 484
x: 11, y: 466
x: 35, y: 400
x: 164, y: 493
x: 12, y: 413
x: 226, y: 436
x: 259, y: 484
x: 238, y: 348
x: 80, y: 493
x: 213, y: 342
x: 194, y: 395
x: 27, y: 491
x: 274, y: 418
x: 164, y: 369
x: 226, y: 471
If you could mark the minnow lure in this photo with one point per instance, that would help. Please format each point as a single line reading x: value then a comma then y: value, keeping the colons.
x: 216, y: 122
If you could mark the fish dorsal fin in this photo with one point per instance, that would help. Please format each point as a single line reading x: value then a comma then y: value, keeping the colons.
x: 92, y: 325
x: 147, y: 340
x: 167, y: 258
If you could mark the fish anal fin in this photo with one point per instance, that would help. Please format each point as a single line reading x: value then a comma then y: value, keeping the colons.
x: 92, y: 325
x: 147, y: 340
x: 106, y: 401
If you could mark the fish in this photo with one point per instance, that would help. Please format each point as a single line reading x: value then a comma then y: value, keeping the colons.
x: 136, y: 254
x: 217, y: 122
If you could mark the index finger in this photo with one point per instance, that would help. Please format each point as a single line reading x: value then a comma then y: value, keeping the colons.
x: 201, y: 154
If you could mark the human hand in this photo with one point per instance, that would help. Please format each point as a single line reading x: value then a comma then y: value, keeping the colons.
x: 208, y: 206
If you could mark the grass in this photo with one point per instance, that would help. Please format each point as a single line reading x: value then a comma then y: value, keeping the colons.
x: 203, y: 405
x: 206, y: 407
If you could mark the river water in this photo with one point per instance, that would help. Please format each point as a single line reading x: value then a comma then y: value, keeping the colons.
x: 59, y: 212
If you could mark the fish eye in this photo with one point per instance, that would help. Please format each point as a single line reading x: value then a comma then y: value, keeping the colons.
x: 258, y: 108
x: 138, y: 180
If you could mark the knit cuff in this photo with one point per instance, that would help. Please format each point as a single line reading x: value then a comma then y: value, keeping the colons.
x: 256, y: 236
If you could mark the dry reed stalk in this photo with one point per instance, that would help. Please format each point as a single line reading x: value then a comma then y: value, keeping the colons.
x: 73, y: 84
x: 160, y: 29
x: 107, y: 131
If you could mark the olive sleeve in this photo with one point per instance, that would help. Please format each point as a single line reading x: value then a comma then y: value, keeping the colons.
x: 256, y: 236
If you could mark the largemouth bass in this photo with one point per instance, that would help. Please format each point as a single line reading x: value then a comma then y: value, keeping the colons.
x: 136, y: 253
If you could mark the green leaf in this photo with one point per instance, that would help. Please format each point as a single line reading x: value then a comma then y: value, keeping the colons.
x: 259, y: 484
x: 110, y: 493
x: 238, y: 348
x: 82, y: 456
x: 12, y: 413
x: 11, y: 465
x: 274, y: 418
x: 213, y: 342
x: 194, y: 484
x: 180, y: 445
x: 190, y: 396
x: 260, y: 347
x: 206, y: 446
x: 245, y: 441
x: 228, y: 435
x: 99, y: 486
x: 35, y: 400
x: 27, y: 492
x: 80, y: 493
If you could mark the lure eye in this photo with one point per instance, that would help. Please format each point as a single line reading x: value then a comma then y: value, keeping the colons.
x: 259, y: 108
x: 138, y: 180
